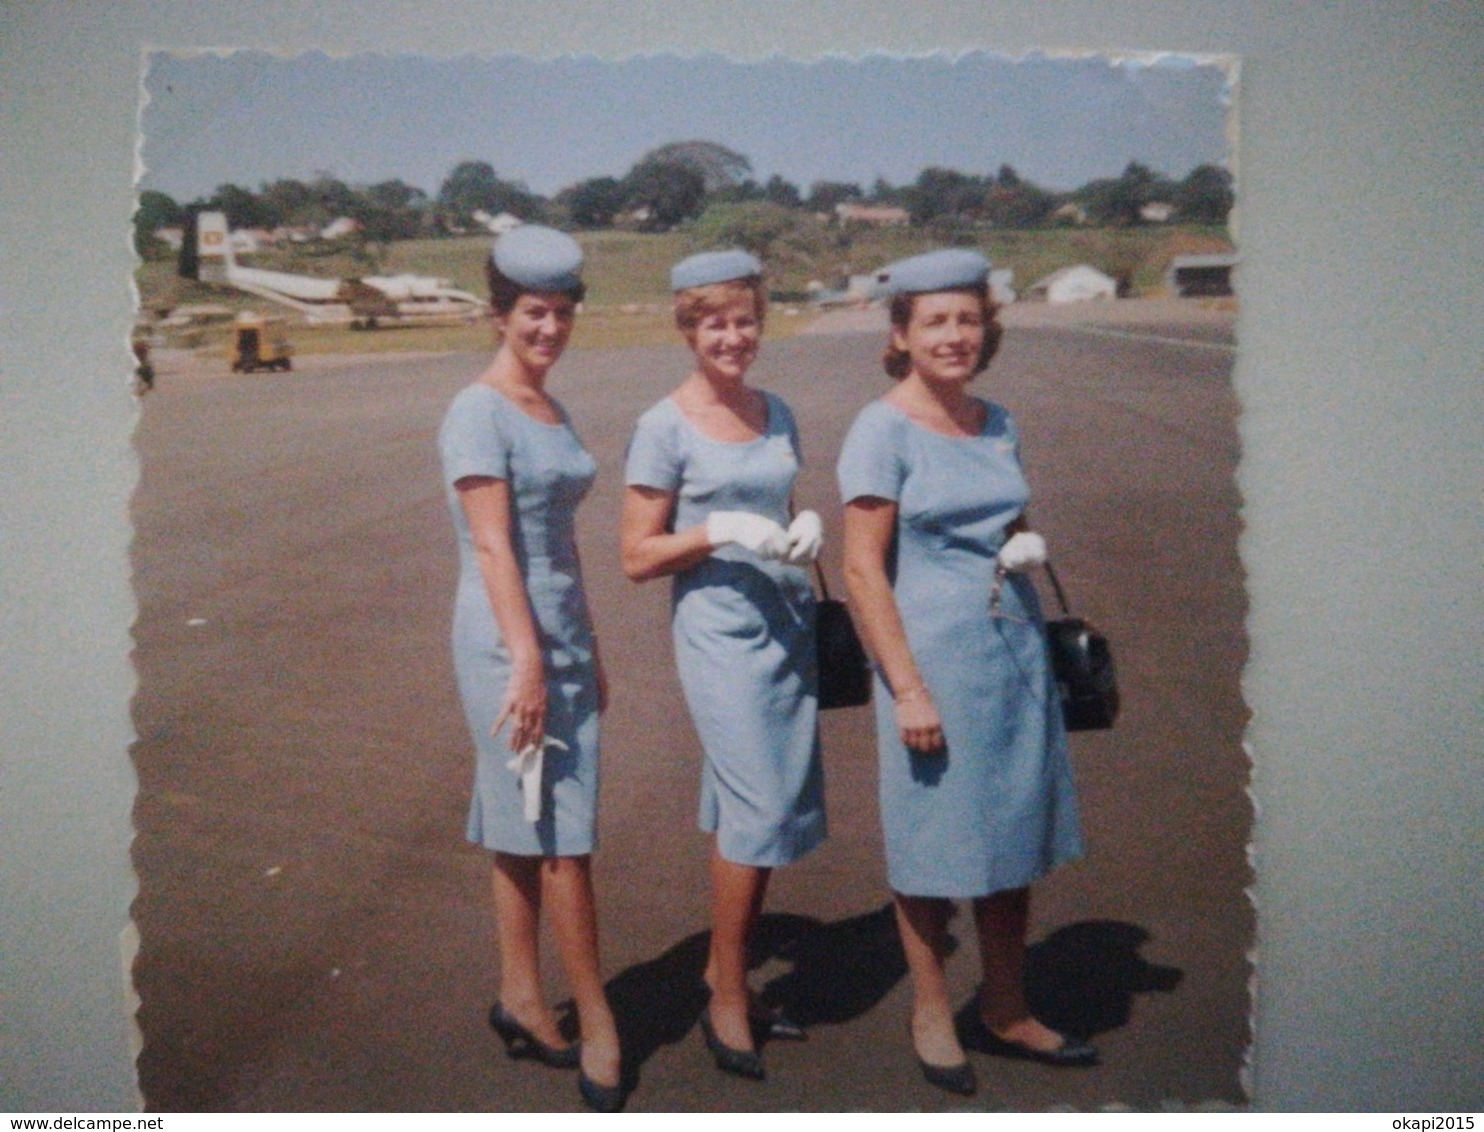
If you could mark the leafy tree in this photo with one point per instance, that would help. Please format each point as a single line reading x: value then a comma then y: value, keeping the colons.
x: 736, y: 194
x: 333, y: 197
x: 781, y: 192
x: 1117, y: 201
x: 292, y: 202
x: 1108, y: 201
x: 884, y: 193
x: 473, y: 187
x: 242, y: 206
x: 1018, y: 205
x: 755, y: 225
x: 943, y: 192
x: 390, y: 210
x: 824, y: 195
x: 670, y: 190
x: 156, y: 210
x: 778, y: 235
x: 1205, y: 196
x: 718, y: 166
x: 593, y: 203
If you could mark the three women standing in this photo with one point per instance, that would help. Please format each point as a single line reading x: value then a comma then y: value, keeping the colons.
x: 710, y: 475
x: 975, y: 784
x: 527, y: 661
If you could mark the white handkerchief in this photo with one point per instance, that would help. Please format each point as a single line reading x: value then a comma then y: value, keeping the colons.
x: 528, y: 764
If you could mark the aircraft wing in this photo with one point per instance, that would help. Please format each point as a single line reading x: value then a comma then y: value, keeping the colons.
x: 399, y: 288
x: 301, y: 287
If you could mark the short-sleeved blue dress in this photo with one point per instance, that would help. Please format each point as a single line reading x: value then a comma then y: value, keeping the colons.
x: 549, y: 473
x: 744, y: 638
x: 998, y: 809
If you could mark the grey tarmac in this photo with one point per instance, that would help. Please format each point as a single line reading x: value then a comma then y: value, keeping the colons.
x: 316, y: 934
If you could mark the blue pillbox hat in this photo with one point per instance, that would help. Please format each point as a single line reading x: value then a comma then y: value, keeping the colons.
x: 713, y: 267
x: 942, y: 270
x: 540, y: 258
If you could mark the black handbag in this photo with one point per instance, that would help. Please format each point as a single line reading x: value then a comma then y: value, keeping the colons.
x: 1083, y: 666
x: 1081, y: 663
x: 844, y: 669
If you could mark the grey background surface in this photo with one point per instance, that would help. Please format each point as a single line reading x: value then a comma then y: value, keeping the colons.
x: 1359, y: 376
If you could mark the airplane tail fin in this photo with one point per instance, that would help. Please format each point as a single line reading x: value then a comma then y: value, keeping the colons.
x: 214, y: 247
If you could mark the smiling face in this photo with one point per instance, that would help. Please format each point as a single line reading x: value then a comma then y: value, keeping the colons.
x: 537, y: 328
x: 725, y: 338
x: 944, y: 338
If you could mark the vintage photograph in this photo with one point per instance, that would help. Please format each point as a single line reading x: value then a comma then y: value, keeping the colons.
x: 524, y: 447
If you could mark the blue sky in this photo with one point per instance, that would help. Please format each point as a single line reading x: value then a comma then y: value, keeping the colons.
x: 250, y: 117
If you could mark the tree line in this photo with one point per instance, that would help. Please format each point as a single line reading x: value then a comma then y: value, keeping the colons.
x: 684, y: 181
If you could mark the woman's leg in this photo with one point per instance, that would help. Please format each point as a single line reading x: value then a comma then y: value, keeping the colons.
x: 517, y: 889
x: 923, y: 924
x: 1002, y: 920
x: 737, y: 893
x: 567, y: 886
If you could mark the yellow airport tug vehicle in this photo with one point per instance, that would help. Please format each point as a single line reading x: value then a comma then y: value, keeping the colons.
x: 258, y: 343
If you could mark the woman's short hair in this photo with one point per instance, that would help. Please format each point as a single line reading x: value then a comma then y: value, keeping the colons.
x: 695, y: 303
x: 898, y: 363
x: 506, y: 292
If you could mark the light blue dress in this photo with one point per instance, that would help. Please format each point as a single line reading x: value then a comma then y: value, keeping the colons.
x: 744, y: 638
x: 999, y: 809
x: 549, y: 473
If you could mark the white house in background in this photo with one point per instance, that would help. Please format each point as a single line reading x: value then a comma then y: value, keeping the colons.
x: 250, y: 241
x: 875, y: 215
x: 1156, y: 212
x: 1002, y: 285
x: 340, y: 226
x: 1074, y: 285
x: 498, y: 225
x: 1070, y: 213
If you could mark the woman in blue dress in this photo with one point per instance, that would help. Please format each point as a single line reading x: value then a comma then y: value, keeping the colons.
x: 527, y: 661
x: 976, y: 788
x: 710, y: 474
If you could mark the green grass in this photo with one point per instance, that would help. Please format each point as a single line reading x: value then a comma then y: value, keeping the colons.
x: 597, y: 328
x: 1141, y: 253
x: 627, y: 275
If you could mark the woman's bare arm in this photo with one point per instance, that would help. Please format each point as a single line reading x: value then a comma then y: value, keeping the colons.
x: 870, y: 524
x: 648, y: 548
x: 486, y: 504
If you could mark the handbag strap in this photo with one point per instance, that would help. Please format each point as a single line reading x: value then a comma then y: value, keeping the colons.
x: 999, y: 578
x: 1061, y: 594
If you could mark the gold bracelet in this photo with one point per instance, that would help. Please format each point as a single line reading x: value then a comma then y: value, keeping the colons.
x: 917, y: 691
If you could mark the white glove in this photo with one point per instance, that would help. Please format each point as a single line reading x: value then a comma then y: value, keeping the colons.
x: 805, y: 537
x: 528, y: 764
x: 1021, y: 550
x: 760, y: 535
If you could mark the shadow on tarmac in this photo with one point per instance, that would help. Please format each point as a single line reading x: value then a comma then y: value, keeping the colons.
x: 1080, y: 980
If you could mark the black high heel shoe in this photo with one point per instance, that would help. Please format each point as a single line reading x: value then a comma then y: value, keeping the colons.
x: 521, y: 1043
x: 772, y: 1022
x: 957, y: 1079
x: 738, y: 1062
x: 601, y: 1098
x: 1071, y: 1054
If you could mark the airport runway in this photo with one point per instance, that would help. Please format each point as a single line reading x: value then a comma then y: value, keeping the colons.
x: 317, y: 934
